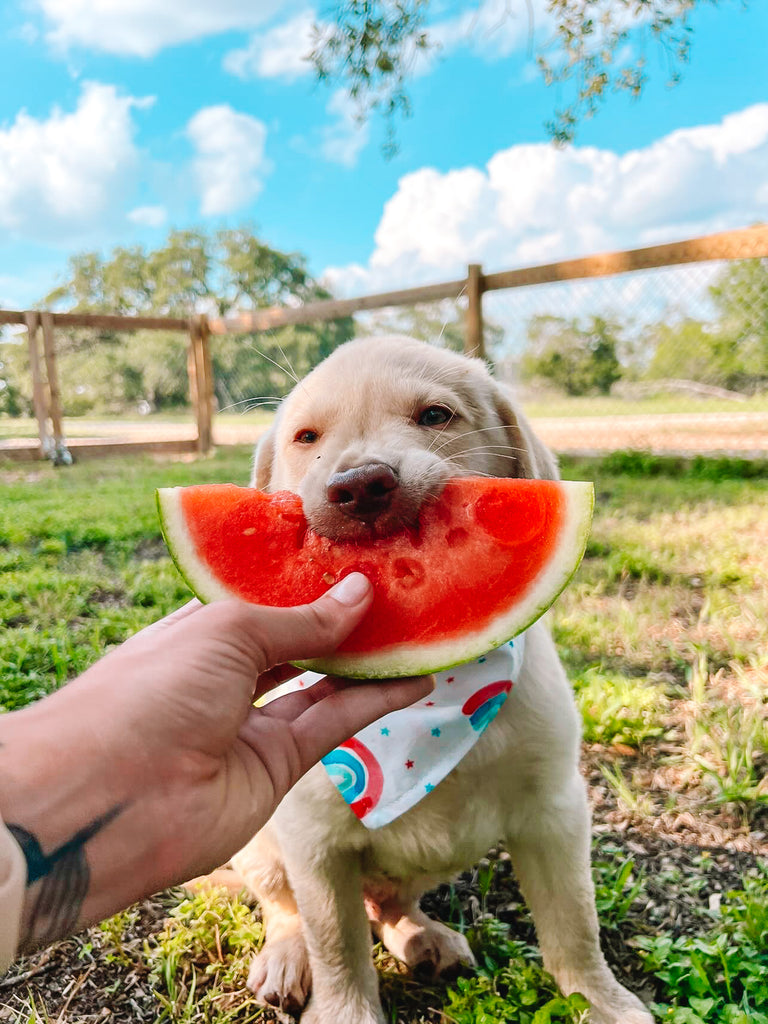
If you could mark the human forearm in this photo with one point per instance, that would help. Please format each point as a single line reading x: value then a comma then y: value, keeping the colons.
x: 87, y: 834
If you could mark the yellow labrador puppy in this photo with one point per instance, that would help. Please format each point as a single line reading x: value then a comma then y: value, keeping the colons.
x: 372, y: 432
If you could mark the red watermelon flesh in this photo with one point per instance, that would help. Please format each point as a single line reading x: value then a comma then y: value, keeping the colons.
x: 483, y: 562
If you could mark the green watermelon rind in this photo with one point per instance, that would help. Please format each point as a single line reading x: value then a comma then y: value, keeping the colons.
x: 410, y: 659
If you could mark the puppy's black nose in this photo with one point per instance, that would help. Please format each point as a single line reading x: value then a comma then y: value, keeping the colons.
x: 363, y: 492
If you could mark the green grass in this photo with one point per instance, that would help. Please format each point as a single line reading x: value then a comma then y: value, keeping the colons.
x: 82, y: 564
x: 616, y: 710
x: 721, y: 976
x: 664, y: 632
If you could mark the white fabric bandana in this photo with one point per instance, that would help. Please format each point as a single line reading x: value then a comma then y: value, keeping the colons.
x: 386, y: 768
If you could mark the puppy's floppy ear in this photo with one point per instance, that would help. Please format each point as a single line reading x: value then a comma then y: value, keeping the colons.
x: 263, y: 460
x: 535, y: 460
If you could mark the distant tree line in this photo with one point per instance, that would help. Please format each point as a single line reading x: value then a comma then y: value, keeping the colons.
x: 104, y: 371
x: 588, y: 356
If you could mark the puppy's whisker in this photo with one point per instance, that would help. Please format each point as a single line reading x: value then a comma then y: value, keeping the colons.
x: 290, y: 364
x: 457, y: 437
x: 465, y: 433
x: 496, y: 455
x: 253, y: 402
x: 288, y: 373
x: 494, y: 447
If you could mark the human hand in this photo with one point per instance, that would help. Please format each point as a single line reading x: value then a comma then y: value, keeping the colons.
x: 159, y: 748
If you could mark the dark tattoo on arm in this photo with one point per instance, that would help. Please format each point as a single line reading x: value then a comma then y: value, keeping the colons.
x: 64, y: 878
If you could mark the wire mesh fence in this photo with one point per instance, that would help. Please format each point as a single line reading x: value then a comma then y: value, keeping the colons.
x: 672, y: 359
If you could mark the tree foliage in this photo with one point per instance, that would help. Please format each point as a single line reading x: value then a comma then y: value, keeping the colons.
x: 192, y: 272
x: 107, y: 371
x: 371, y: 47
x: 730, y: 351
x: 579, y: 359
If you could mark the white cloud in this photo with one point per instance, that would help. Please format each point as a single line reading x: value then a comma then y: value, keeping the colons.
x: 535, y: 203
x: 143, y: 27
x: 230, y: 162
x: 280, y: 52
x: 64, y: 176
x: 148, y: 216
x: 346, y: 136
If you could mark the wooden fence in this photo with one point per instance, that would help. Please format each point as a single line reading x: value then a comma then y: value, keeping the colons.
x: 741, y: 244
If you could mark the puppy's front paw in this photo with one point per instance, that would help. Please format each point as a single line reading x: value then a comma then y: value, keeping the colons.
x: 426, y: 943
x: 280, y: 975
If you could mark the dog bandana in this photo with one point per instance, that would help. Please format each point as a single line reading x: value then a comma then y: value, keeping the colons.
x: 386, y: 768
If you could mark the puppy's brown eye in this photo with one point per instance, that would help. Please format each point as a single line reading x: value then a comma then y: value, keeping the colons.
x: 306, y: 436
x: 434, y: 416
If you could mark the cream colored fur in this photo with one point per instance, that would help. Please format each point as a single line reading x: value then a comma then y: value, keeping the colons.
x: 322, y: 878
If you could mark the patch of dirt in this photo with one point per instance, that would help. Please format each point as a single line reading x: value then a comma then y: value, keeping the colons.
x: 17, y: 620
x: 73, y: 981
x: 735, y: 434
x: 152, y: 549
x: 689, y: 816
x: 18, y: 476
x: 107, y: 597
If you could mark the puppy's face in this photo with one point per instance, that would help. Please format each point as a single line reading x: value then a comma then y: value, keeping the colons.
x: 377, y: 429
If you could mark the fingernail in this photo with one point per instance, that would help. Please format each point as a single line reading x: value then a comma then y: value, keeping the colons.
x: 351, y: 590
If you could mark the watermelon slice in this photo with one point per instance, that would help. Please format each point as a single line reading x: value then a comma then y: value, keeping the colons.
x: 484, y: 562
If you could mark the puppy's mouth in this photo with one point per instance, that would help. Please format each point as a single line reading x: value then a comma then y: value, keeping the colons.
x: 330, y: 521
x: 368, y: 502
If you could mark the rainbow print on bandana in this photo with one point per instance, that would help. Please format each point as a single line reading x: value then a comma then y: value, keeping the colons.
x: 482, y: 707
x: 357, y: 774
x: 390, y: 765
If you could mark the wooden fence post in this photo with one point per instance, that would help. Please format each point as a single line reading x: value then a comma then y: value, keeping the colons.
x: 205, y: 344
x: 39, y: 391
x: 200, y: 382
x: 61, y: 455
x: 474, y: 343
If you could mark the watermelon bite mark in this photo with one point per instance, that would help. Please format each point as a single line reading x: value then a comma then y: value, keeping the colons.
x: 486, y: 560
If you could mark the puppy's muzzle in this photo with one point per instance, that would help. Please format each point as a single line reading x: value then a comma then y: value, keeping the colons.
x: 363, y: 492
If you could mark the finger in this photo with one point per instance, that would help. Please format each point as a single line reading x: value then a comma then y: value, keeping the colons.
x: 306, y: 631
x: 274, y: 677
x: 342, y: 713
x: 169, y: 620
x: 291, y: 705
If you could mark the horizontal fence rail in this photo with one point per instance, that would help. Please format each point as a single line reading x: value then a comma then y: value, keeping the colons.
x: 105, y: 321
x: 475, y: 321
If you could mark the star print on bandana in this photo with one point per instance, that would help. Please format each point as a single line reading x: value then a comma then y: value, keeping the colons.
x: 388, y: 767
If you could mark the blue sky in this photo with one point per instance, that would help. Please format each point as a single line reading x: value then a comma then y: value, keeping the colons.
x: 118, y: 121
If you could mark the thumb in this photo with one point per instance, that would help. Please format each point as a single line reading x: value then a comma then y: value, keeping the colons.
x: 308, y: 630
